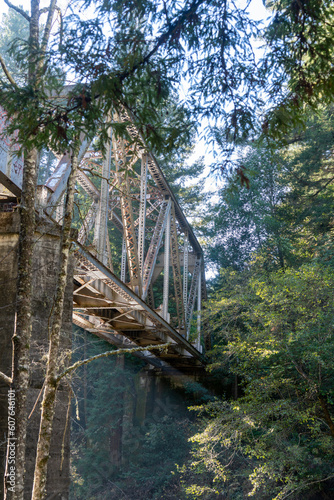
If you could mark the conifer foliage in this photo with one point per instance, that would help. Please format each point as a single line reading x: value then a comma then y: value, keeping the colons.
x: 271, y: 319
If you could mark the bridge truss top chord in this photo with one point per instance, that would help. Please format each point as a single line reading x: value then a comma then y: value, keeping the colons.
x: 147, y: 295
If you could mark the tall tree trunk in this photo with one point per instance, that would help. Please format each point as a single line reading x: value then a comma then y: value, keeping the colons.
x: 22, y: 334
x: 328, y: 417
x: 51, y: 384
x: 116, y: 434
x: 85, y: 384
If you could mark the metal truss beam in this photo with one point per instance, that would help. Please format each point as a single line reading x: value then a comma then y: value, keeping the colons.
x: 127, y: 212
x: 142, y: 213
x: 199, y: 313
x: 102, y: 232
x: 97, y: 270
x: 195, y: 282
x: 165, y: 293
x: 123, y: 262
x: 185, y: 270
x: 88, y: 185
x: 174, y: 247
x: 155, y: 244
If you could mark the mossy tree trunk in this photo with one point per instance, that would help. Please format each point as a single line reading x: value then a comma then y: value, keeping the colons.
x: 51, y: 380
x: 22, y: 333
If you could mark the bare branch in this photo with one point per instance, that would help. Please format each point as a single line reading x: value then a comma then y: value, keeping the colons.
x: 4, y: 378
x: 65, y: 429
x: 38, y: 397
x: 323, y: 187
x: 7, y: 73
x: 48, y: 24
x: 18, y: 9
x: 76, y: 365
x: 61, y: 30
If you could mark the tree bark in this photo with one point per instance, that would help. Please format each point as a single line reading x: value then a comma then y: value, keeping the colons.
x: 116, y: 432
x: 327, y: 414
x: 51, y: 381
x: 22, y: 334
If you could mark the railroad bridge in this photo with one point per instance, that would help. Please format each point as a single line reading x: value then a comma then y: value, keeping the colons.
x: 138, y: 269
x: 124, y: 191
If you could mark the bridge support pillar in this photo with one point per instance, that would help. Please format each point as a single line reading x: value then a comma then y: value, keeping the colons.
x: 46, y: 254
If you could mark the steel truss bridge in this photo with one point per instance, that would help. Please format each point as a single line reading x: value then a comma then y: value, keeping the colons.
x: 149, y: 290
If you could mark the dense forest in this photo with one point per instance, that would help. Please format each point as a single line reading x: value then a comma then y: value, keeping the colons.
x: 271, y: 318
x: 260, y: 422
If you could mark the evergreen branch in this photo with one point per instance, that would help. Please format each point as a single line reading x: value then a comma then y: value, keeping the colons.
x: 323, y: 187
x: 18, y: 9
x: 76, y: 365
x: 162, y: 39
x: 5, y: 378
x: 7, y: 73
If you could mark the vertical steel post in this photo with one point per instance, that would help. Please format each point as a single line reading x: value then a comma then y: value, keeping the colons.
x: 166, y: 269
x: 199, y: 305
x: 185, y: 271
x: 123, y: 263
x: 104, y: 201
x: 97, y: 225
x: 142, y: 214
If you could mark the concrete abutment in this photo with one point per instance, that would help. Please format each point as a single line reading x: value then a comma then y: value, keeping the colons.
x: 45, y: 264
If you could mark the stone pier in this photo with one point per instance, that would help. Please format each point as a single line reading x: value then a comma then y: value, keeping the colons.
x: 45, y: 265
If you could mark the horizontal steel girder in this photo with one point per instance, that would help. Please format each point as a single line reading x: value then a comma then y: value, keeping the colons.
x: 139, y: 313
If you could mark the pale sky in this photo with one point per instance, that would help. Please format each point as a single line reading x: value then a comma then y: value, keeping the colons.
x: 256, y: 7
x: 25, y: 3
